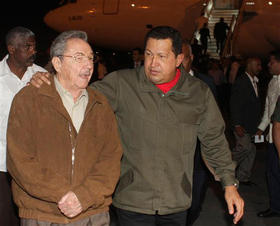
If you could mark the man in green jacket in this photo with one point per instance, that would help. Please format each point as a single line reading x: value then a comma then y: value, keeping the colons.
x: 161, y: 111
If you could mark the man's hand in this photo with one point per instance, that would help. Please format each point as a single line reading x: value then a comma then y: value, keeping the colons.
x: 259, y: 133
x: 69, y: 205
x: 234, y: 202
x: 240, y: 131
x: 39, y: 78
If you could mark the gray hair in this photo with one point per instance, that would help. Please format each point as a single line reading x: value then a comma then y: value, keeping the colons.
x: 59, y: 44
x: 17, y: 33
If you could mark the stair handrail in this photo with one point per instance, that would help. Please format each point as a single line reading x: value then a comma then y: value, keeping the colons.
x: 233, y: 31
x: 207, y: 12
x: 227, y: 50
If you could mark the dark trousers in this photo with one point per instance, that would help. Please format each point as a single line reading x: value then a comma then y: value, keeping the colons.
x: 128, y: 218
x: 200, y: 175
x: 8, y: 210
x: 220, y: 44
x: 273, y: 177
x: 204, y: 44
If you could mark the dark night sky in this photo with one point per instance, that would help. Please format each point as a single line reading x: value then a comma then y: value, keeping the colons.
x: 28, y: 13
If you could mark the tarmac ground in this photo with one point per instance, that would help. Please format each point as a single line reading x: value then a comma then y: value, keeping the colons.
x: 214, y: 210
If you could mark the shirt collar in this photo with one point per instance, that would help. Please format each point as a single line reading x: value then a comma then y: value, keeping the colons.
x: 165, y: 87
x: 255, y: 79
x: 6, y: 71
x: 63, y: 92
x: 191, y: 72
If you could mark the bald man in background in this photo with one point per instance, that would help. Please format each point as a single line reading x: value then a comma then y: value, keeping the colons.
x: 245, y: 112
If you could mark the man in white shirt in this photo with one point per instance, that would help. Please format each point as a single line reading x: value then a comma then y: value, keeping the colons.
x: 16, y: 69
x: 272, y: 167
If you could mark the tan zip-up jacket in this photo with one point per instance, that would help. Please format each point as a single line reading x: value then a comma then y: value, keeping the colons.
x: 41, y: 136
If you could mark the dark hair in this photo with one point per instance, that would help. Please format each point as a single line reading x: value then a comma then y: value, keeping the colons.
x: 14, y: 33
x: 166, y: 32
x: 276, y: 54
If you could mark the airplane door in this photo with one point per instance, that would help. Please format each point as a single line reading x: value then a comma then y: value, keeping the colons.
x: 111, y: 7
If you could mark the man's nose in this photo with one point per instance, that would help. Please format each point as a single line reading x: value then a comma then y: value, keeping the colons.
x: 154, y: 61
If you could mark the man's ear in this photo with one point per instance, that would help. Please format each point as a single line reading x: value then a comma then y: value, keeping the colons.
x: 11, y: 49
x: 191, y: 56
x: 179, y: 59
x: 56, y: 62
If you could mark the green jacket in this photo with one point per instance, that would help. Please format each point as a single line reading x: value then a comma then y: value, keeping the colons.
x: 159, y: 133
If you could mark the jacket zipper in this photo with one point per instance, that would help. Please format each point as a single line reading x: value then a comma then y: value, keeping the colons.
x: 73, y: 144
x: 73, y: 151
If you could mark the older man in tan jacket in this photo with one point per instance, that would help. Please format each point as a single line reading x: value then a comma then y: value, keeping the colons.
x: 63, y: 145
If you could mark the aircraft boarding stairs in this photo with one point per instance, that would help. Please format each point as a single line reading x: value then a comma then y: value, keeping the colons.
x: 214, y: 17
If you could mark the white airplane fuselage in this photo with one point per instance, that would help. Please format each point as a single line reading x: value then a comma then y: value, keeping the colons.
x: 122, y: 24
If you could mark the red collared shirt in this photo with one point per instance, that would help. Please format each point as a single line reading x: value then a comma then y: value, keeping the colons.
x: 165, y: 87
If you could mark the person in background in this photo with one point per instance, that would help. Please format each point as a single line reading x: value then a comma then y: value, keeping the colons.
x: 276, y: 131
x: 200, y: 21
x: 272, y: 165
x: 137, y: 58
x: 220, y: 34
x: 16, y: 69
x: 204, y: 35
x: 63, y: 144
x: 233, y: 67
x: 245, y: 114
x: 161, y: 111
x: 236, y: 68
x: 100, y: 69
x: 197, y: 53
x: 216, y: 72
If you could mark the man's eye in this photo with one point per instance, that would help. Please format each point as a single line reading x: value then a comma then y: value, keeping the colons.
x: 79, y: 57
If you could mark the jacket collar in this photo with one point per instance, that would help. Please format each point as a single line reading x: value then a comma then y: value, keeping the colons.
x: 51, y: 92
x: 148, y: 86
